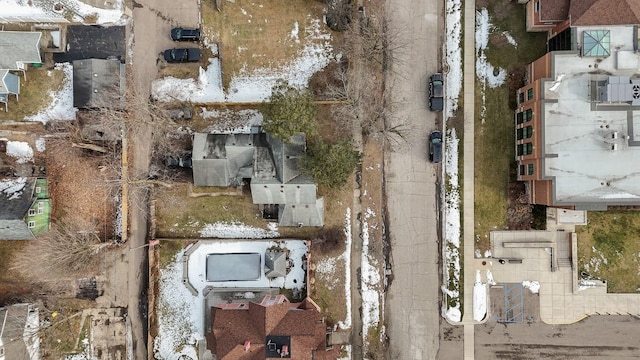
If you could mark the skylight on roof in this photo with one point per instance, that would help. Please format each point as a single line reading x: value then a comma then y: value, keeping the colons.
x: 596, y: 43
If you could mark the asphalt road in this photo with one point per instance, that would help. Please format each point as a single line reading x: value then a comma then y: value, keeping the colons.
x: 597, y: 337
x: 152, y: 21
x: 412, y: 310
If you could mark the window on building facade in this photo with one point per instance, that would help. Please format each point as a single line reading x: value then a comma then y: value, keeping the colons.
x: 528, y: 132
x: 528, y: 148
x: 31, y: 224
x: 528, y: 115
x: 521, y: 98
x: 32, y: 212
x: 519, y: 134
x: 520, y: 149
x: 529, y: 94
x: 530, y: 169
x: 525, y: 116
x: 521, y: 169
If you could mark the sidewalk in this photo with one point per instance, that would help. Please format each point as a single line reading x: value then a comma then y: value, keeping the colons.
x: 469, y: 175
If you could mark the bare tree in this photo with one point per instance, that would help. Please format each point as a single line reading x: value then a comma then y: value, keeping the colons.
x: 69, y: 248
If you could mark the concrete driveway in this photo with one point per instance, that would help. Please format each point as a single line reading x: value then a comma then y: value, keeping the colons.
x: 412, y: 309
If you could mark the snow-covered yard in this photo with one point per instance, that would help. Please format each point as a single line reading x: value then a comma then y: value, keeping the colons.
x: 180, y: 313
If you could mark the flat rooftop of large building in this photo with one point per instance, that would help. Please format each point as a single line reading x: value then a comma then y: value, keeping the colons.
x: 591, y: 125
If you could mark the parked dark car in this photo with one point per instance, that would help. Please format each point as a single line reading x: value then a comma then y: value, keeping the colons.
x: 184, y: 113
x: 182, y: 55
x: 185, y: 34
x: 436, y: 92
x: 435, y: 146
x: 178, y: 161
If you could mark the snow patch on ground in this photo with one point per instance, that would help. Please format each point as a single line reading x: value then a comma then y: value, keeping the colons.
x: 347, y: 350
x: 370, y: 285
x: 21, y: 151
x: 510, y: 38
x: 594, y: 262
x: 294, y: 32
x: 479, y: 298
x: 487, y: 74
x: 236, y: 230
x: 12, y: 188
x: 179, y: 315
x: 41, y: 144
x: 452, y: 227
x: 256, y: 86
x: 326, y: 269
x: 533, y: 286
x: 453, y: 55
x: 80, y: 10
x: 490, y: 279
x: 61, y: 105
x: 232, y: 122
x: 589, y: 284
x: 346, y: 256
x: 113, y: 16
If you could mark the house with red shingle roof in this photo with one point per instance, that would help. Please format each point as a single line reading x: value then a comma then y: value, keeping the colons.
x: 557, y: 15
x: 271, y: 329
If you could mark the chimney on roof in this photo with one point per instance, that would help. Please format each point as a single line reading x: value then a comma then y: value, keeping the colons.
x: 247, y: 345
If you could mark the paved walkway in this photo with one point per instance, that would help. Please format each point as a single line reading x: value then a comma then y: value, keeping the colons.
x: 564, y: 299
x: 469, y: 174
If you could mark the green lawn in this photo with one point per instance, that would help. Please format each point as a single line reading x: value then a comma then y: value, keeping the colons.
x: 494, y: 140
x: 608, y: 248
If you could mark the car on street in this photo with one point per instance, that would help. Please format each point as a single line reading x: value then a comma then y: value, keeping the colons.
x: 436, y: 92
x: 185, y: 34
x: 182, y: 55
x: 435, y: 147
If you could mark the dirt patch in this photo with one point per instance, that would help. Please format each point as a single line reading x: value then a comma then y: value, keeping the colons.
x: 519, y: 211
x: 83, y: 184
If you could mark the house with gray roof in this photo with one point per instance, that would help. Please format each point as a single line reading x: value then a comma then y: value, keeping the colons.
x: 19, y: 48
x: 19, y: 337
x: 222, y: 159
x: 98, y: 83
x: 271, y: 167
x: 9, y: 84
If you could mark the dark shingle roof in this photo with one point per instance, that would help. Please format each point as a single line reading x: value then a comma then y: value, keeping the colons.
x: 554, y: 10
x: 98, y: 83
x: 604, y: 12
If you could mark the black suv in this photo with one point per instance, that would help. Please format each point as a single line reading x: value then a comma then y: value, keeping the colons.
x: 435, y: 146
x: 185, y: 34
x: 436, y: 92
x: 182, y: 55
